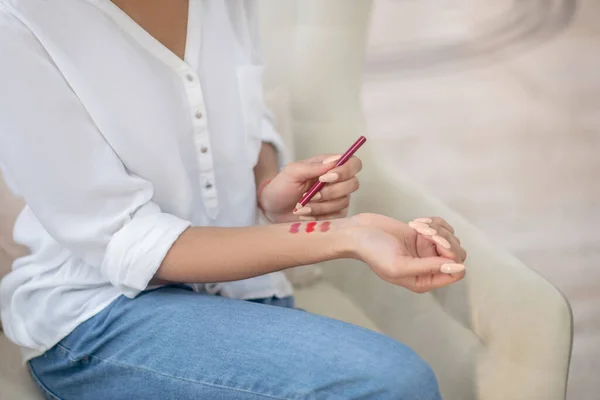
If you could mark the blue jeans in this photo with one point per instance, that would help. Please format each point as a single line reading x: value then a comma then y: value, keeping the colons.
x: 173, y: 343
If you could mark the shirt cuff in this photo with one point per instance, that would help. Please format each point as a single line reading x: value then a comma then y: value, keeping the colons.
x: 135, y: 253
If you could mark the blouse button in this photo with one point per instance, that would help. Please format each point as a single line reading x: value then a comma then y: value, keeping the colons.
x: 198, y: 115
x: 203, y: 149
x: 208, y: 186
x: 189, y: 77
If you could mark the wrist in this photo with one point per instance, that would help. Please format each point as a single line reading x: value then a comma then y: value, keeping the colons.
x: 263, y: 182
x: 266, y: 167
x: 358, y: 230
x: 259, y: 192
x: 346, y: 242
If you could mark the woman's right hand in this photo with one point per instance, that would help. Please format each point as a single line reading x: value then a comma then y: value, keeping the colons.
x: 416, y: 257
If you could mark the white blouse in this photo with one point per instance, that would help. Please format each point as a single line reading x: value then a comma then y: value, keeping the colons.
x: 117, y: 146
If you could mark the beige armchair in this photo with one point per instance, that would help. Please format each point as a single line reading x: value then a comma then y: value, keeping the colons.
x: 503, y: 333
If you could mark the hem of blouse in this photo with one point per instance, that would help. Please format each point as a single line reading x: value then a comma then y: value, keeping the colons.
x: 28, y: 353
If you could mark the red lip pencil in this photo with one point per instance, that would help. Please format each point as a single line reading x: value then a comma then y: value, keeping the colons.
x: 319, y: 185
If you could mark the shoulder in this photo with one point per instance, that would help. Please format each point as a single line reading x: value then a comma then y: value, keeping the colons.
x: 24, y: 60
x: 7, y: 14
x: 10, y: 9
x: 244, y: 16
x: 13, y: 30
x: 16, y: 39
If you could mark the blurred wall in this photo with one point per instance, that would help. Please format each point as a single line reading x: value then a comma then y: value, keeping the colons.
x: 494, y: 106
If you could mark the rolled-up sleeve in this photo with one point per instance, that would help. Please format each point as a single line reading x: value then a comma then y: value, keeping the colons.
x: 139, y: 248
x: 271, y: 136
x: 70, y: 177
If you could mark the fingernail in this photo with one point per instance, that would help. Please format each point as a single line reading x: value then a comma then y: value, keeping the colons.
x: 441, y: 241
x: 426, y: 231
x: 317, y: 196
x: 330, y: 177
x: 303, y: 218
x: 452, y: 268
x: 422, y: 228
x: 424, y: 220
x: 303, y: 211
x: 331, y: 159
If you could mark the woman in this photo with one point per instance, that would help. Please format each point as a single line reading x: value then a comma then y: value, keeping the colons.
x: 135, y: 131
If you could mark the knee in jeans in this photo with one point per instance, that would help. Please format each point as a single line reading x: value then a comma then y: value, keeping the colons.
x: 404, y: 375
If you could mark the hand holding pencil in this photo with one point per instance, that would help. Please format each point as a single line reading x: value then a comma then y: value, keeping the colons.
x: 314, y: 189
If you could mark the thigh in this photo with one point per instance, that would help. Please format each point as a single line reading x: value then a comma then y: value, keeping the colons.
x: 287, y: 302
x: 173, y: 343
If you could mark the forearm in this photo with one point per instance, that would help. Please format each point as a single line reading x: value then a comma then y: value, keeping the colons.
x: 266, y: 168
x: 206, y: 254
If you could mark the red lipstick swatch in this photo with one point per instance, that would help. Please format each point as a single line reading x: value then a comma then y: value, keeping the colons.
x: 324, y: 227
x: 310, y: 227
x: 295, y: 227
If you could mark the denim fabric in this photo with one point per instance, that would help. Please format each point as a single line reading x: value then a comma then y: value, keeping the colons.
x: 173, y: 343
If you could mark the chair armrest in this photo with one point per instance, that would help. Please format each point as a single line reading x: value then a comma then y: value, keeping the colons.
x: 504, y: 327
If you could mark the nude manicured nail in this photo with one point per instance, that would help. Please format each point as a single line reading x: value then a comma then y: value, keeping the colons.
x: 303, y: 211
x: 452, y: 268
x: 330, y: 177
x: 303, y: 218
x: 426, y: 231
x: 441, y: 241
x: 331, y: 159
x: 422, y: 228
x: 424, y: 220
x: 317, y: 196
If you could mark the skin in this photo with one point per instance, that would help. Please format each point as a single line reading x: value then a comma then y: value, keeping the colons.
x: 165, y: 20
x: 410, y: 256
x: 396, y: 252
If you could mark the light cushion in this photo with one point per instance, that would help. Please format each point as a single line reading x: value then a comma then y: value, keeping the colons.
x: 15, y: 381
x: 324, y: 299
x: 10, y: 206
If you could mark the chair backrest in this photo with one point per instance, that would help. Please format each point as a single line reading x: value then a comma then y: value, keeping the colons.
x: 10, y: 206
x: 503, y: 332
x: 314, y: 52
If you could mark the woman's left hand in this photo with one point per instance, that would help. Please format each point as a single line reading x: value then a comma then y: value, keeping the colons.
x: 437, y: 238
x: 280, y: 196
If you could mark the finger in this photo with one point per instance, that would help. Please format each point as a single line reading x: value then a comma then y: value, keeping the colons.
x: 322, y: 158
x: 341, y: 189
x: 446, y: 240
x: 423, y: 228
x: 343, y: 172
x: 439, y: 221
x: 439, y: 237
x: 443, y: 247
x: 432, y: 265
x: 342, y: 214
x: 324, y: 207
x: 436, y: 221
x: 447, y: 245
x: 306, y: 170
x: 426, y: 283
